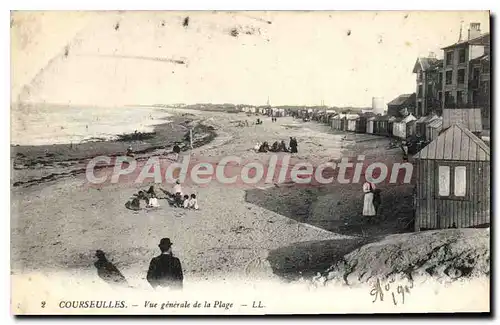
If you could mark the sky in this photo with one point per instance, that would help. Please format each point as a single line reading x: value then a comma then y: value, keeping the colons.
x: 300, y: 58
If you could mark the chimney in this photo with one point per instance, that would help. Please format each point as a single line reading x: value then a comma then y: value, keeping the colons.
x: 474, y: 30
x: 432, y: 55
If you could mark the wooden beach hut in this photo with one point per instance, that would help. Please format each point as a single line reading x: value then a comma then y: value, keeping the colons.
x: 362, y: 122
x: 433, y: 129
x: 411, y: 128
x: 370, y: 123
x: 453, y: 181
x: 421, y: 124
x: 381, y: 125
x: 336, y: 122
x: 351, y: 122
x: 399, y: 126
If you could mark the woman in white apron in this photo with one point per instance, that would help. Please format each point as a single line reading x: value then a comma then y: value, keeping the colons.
x: 368, y: 207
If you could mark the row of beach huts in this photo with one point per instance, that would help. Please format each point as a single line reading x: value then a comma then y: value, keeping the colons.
x: 452, y: 166
x: 426, y: 128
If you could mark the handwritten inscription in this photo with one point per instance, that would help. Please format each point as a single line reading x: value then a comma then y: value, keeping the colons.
x: 396, y: 291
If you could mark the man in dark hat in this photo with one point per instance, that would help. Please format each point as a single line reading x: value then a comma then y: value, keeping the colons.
x: 107, y: 271
x: 165, y: 270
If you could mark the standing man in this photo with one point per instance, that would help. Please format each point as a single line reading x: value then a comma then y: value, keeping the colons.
x: 165, y: 270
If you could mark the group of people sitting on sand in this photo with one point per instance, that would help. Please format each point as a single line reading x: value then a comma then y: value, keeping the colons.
x: 277, y: 146
x: 149, y: 200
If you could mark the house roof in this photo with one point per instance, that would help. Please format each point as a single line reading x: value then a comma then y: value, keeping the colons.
x: 425, y: 64
x: 456, y: 143
x: 480, y: 40
x: 469, y: 117
x: 401, y: 99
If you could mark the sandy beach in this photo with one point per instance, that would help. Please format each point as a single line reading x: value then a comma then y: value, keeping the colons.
x: 238, y: 232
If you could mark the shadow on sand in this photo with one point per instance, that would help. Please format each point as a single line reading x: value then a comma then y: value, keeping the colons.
x: 305, y: 259
x: 334, y: 208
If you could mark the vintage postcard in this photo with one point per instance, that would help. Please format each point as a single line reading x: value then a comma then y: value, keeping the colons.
x: 250, y: 163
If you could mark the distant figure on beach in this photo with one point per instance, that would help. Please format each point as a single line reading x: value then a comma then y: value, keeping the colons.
x: 165, y: 270
x: 151, y: 191
x: 293, y: 145
x: 178, y: 187
x: 368, y: 206
x: 130, y: 152
x: 192, y: 202
x: 133, y: 204
x: 153, y: 201
x: 107, y: 271
x: 283, y: 147
x: 274, y: 147
x: 176, y: 149
x: 257, y: 147
x: 404, y: 147
x: 185, y: 201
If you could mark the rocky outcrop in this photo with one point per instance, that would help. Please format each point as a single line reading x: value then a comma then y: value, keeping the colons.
x: 445, y: 255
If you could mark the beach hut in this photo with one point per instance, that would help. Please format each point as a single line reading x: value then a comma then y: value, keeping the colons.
x: 381, y: 125
x: 433, y: 129
x: 362, y: 122
x: 453, y: 181
x: 351, y: 122
x: 337, y: 121
x: 370, y: 122
x: 411, y: 128
x: 399, y: 126
x: 421, y: 124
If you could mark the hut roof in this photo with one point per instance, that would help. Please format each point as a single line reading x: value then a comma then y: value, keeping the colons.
x: 352, y: 116
x: 456, y: 143
x: 438, y: 122
x: 409, y: 118
x: 427, y: 119
x: 469, y: 117
x: 411, y: 122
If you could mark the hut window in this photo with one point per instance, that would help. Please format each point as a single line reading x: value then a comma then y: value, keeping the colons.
x: 460, y: 181
x: 444, y: 180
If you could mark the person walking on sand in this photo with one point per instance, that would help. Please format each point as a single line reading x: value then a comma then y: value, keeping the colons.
x: 368, y: 206
x: 177, y: 187
x: 293, y: 145
x: 165, y: 270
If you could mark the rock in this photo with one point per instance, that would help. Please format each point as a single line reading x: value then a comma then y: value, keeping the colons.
x: 443, y: 254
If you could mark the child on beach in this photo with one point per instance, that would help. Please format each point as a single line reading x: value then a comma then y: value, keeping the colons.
x: 193, y: 202
x: 185, y: 202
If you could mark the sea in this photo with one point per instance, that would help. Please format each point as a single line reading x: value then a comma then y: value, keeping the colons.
x: 53, y: 124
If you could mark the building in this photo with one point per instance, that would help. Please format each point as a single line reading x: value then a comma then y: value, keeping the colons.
x: 378, y: 106
x: 429, y: 85
x: 466, y: 72
x: 395, y: 106
x: 453, y: 181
